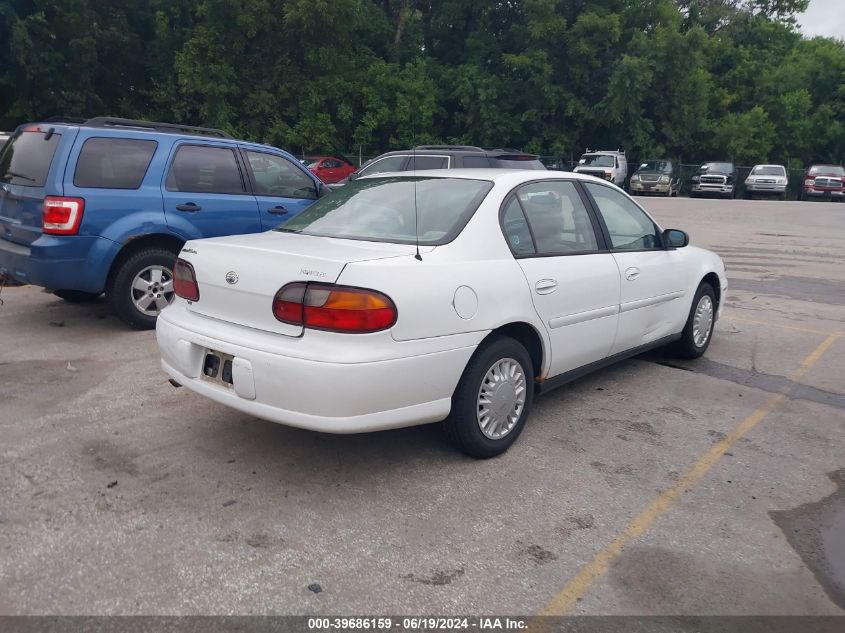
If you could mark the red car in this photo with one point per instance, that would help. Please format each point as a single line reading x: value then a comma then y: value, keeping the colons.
x: 329, y: 169
x: 824, y: 181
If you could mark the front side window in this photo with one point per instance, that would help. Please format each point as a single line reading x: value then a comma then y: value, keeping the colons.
x: 394, y: 209
x: 277, y: 176
x: 558, y: 218
x: 204, y: 169
x: 391, y: 163
x: 629, y: 227
x: 25, y: 159
x: 113, y: 163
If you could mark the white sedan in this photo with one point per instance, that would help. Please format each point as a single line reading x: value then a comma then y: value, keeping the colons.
x: 457, y: 295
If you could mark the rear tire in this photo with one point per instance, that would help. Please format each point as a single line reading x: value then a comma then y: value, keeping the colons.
x: 144, y: 279
x: 492, y: 400
x: 698, y: 331
x: 76, y: 296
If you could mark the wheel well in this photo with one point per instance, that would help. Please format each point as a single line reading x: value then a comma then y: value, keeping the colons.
x: 713, y: 280
x: 529, y: 338
x: 135, y: 244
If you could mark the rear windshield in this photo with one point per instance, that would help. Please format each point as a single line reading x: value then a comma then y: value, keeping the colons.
x: 383, y: 210
x: 26, y: 158
x: 113, y: 163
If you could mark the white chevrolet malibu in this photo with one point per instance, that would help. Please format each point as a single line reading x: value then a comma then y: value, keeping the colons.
x: 442, y: 295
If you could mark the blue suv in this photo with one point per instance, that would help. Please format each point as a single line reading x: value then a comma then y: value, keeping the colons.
x: 105, y: 205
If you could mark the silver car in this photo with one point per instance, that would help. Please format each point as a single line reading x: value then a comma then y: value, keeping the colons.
x: 770, y: 180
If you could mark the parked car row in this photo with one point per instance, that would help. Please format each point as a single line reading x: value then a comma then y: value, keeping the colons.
x: 266, y: 288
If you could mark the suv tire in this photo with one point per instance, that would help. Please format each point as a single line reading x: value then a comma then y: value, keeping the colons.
x: 504, y: 365
x: 153, y: 266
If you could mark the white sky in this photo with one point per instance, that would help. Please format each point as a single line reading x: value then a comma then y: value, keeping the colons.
x: 824, y: 17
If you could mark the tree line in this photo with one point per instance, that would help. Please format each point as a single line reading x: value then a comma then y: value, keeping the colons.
x: 688, y: 79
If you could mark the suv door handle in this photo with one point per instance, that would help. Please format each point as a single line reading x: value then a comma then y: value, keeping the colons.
x: 279, y: 210
x: 190, y: 207
x: 545, y: 286
x: 632, y: 273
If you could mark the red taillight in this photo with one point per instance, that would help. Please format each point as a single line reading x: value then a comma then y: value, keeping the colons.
x: 185, y: 281
x: 62, y: 216
x: 334, y: 308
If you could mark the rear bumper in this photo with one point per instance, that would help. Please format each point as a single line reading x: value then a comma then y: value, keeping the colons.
x: 332, y: 397
x: 77, y: 262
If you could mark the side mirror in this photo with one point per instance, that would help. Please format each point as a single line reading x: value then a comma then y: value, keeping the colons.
x: 675, y: 238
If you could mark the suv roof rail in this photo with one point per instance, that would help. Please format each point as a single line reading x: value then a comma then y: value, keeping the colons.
x: 175, y: 128
x: 507, y: 149
x: 463, y: 148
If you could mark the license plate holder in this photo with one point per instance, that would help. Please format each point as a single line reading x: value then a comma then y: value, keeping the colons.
x: 217, y: 368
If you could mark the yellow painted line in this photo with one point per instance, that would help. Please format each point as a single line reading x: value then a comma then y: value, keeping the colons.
x: 797, y: 328
x: 566, y: 598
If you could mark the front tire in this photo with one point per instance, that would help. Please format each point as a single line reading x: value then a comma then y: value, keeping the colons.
x: 698, y: 331
x: 492, y: 400
x: 142, y: 286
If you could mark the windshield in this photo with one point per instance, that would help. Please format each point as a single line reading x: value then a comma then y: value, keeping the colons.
x: 310, y: 162
x: 654, y: 165
x: 383, y: 210
x: 827, y: 169
x: 768, y: 170
x: 722, y: 168
x: 598, y: 160
x: 26, y: 158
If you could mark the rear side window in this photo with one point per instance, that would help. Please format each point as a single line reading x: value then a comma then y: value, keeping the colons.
x: 113, y: 163
x: 475, y: 162
x: 513, y: 163
x: 202, y: 169
x: 427, y: 162
x: 26, y: 158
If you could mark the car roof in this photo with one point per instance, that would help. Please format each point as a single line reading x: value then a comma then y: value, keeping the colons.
x: 510, y: 176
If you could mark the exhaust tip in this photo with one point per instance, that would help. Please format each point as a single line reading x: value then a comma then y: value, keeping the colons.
x: 175, y: 384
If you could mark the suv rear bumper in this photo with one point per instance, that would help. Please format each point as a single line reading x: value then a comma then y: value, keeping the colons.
x: 78, y: 262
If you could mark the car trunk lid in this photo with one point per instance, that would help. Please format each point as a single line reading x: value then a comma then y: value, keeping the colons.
x: 238, y: 276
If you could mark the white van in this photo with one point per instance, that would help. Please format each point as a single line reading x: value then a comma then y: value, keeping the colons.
x: 609, y: 165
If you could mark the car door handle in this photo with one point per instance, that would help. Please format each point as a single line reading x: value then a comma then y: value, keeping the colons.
x: 190, y: 207
x: 280, y: 210
x: 632, y: 273
x: 545, y: 286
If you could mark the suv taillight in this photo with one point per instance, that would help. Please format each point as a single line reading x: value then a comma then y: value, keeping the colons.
x: 61, y: 216
x: 185, y: 281
x: 322, y: 306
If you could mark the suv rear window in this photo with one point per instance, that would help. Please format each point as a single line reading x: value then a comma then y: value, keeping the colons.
x: 26, y: 158
x: 394, y: 209
x: 113, y: 163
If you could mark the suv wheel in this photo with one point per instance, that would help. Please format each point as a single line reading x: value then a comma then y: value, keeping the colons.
x: 142, y: 287
x: 492, y: 400
x: 76, y: 296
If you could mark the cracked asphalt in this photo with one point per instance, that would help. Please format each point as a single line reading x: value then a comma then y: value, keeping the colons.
x: 122, y: 495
